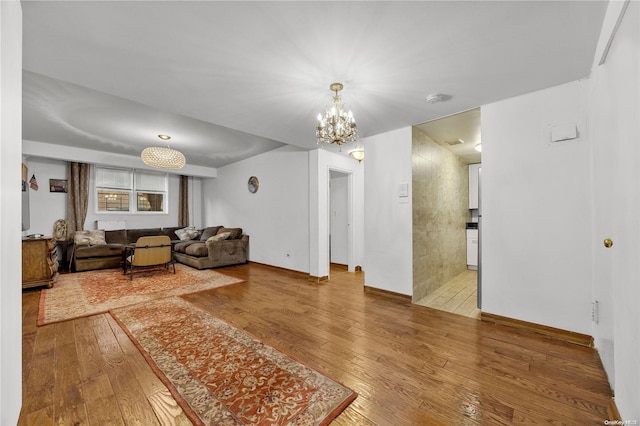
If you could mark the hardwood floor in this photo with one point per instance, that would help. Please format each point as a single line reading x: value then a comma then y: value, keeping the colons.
x: 458, y: 296
x: 410, y: 365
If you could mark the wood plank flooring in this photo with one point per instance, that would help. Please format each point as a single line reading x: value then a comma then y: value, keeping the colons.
x: 458, y: 296
x: 410, y: 365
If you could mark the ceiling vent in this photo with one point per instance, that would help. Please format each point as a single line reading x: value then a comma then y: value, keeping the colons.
x: 434, y: 98
x: 454, y: 142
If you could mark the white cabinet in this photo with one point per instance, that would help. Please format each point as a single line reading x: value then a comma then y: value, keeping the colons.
x: 474, y: 180
x: 472, y: 248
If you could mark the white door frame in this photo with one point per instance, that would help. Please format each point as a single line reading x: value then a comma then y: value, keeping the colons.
x: 350, y: 229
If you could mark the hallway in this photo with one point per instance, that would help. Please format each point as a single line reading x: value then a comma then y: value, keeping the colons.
x: 458, y: 296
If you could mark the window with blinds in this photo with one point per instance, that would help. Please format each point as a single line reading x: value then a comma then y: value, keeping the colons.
x: 130, y: 190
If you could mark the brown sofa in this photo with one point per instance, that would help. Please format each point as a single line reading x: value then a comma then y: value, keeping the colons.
x: 218, y: 246
x: 88, y: 255
x: 96, y: 254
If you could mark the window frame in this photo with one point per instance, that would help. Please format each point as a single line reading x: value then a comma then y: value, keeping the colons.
x: 132, y: 191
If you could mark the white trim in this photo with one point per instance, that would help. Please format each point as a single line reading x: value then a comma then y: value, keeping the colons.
x: 610, y: 25
x: 350, y: 228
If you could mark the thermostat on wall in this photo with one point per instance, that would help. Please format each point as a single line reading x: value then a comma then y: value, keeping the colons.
x: 563, y: 132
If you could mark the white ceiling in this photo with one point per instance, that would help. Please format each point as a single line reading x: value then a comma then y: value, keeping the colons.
x: 229, y: 80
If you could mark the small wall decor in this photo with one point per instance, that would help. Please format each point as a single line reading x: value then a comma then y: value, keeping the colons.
x: 33, y: 183
x: 25, y: 176
x: 57, y: 185
x: 253, y: 184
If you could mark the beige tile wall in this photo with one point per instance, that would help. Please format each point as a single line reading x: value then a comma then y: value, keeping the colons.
x: 440, y: 212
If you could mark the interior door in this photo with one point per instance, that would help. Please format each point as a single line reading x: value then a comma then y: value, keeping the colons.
x: 605, y: 195
x: 479, y: 289
x: 338, y: 219
x: 615, y: 131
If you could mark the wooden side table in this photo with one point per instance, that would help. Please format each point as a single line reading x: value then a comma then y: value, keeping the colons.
x: 39, y: 262
x: 128, y: 251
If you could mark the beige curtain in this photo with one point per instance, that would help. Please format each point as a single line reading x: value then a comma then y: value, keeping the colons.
x: 77, y: 196
x: 183, y: 210
x: 155, y: 201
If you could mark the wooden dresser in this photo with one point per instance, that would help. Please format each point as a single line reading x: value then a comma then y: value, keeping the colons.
x: 39, y: 262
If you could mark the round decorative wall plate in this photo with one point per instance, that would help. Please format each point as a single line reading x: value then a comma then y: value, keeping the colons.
x: 253, y: 184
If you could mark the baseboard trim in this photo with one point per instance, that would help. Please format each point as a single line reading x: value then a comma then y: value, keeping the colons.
x: 612, y: 411
x: 279, y: 268
x: 382, y: 292
x: 554, y: 333
x: 304, y: 275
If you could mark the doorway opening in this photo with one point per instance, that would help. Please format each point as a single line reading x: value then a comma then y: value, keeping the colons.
x: 446, y: 213
x: 340, y: 235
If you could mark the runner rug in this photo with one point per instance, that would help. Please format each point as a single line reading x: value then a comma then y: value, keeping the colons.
x: 94, y: 292
x: 221, y: 375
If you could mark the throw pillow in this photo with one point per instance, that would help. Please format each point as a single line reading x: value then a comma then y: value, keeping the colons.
x: 89, y: 237
x: 209, y: 232
x: 219, y: 237
x: 235, y: 232
x: 188, y: 233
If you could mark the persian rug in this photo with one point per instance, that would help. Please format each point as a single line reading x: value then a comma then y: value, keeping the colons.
x: 221, y: 375
x: 94, y: 292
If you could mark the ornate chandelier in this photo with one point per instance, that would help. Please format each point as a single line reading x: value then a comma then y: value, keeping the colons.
x: 163, y: 157
x: 336, y: 126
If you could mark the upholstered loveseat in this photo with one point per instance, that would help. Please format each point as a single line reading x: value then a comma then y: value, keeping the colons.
x: 104, y: 249
x: 217, y: 246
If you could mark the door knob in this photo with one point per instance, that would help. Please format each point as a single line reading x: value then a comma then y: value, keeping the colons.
x: 608, y: 243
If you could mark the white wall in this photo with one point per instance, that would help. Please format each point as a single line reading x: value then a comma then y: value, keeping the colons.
x: 46, y: 207
x: 10, y: 218
x: 615, y: 128
x: 339, y: 225
x: 536, y: 256
x: 276, y: 218
x: 388, y: 222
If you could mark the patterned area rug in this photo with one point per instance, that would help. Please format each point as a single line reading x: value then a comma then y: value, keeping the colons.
x: 88, y: 293
x: 221, y: 375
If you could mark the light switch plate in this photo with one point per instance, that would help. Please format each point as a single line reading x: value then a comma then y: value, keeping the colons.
x: 403, y: 190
